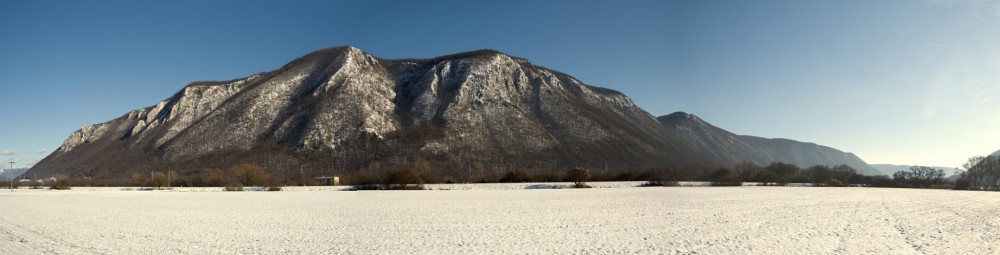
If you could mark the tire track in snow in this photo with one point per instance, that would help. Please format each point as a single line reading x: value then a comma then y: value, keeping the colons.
x: 845, y: 232
x: 40, y: 241
x: 967, y: 220
x: 900, y: 229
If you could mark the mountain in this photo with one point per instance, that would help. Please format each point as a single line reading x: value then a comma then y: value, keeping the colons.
x: 337, y: 110
x: 995, y: 154
x: 6, y: 174
x: 889, y: 169
x: 732, y: 148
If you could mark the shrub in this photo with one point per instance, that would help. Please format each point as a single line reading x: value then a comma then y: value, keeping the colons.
x: 783, y: 171
x: 670, y: 176
x: 579, y: 177
x: 368, y: 187
x: 431, y: 176
x: 60, y: 184
x: 12, y: 184
x: 652, y: 184
x: 233, y: 186
x: 140, y: 179
x: 657, y: 182
x: 272, y: 185
x: 403, y: 178
x: 623, y: 176
x: 962, y: 183
x: 725, y: 177
x: 515, y: 176
x: 36, y: 184
x: 159, y: 180
x: 252, y: 175
x: 366, y: 177
x: 211, y: 177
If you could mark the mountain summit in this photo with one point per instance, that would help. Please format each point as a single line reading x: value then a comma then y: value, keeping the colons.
x: 340, y: 109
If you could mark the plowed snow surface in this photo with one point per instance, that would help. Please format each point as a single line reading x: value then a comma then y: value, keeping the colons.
x: 703, y: 220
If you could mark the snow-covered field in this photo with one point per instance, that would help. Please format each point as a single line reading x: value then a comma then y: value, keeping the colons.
x: 702, y: 220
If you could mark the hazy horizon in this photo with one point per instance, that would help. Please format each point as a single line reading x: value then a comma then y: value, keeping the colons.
x: 894, y: 82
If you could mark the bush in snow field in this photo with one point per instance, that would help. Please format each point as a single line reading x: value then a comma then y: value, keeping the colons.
x: 579, y: 177
x: 272, y: 185
x: 403, y: 178
x: 60, y: 184
x: 250, y: 175
x: 725, y: 177
x: 233, y: 186
x: 515, y: 176
x: 659, y: 183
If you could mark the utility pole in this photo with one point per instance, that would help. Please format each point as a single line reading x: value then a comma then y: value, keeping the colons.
x: 170, y: 184
x: 11, y: 178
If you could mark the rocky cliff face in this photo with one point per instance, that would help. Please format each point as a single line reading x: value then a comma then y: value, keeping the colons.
x: 732, y: 148
x: 340, y: 109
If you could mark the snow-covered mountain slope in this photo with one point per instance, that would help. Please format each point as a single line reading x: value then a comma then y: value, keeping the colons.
x: 733, y: 148
x: 340, y: 109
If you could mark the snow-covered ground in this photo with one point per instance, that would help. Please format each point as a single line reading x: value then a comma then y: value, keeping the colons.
x: 702, y: 220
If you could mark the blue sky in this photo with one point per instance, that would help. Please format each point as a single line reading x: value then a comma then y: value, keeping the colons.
x: 905, y: 82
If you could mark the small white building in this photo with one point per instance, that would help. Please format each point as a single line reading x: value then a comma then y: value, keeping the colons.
x: 328, y: 180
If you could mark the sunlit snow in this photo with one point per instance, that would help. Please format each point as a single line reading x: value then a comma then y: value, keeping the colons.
x: 703, y: 220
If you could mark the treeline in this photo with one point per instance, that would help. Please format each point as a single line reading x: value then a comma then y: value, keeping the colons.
x: 404, y: 178
x: 781, y: 174
x: 420, y: 171
x: 234, y: 177
x: 981, y: 173
x: 774, y: 174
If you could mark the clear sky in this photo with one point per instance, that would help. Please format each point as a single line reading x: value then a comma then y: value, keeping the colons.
x: 904, y: 82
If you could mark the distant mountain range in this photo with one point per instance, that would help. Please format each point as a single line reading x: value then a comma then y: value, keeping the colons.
x: 889, y: 169
x: 338, y: 110
x: 733, y: 148
x: 7, y: 174
x: 996, y: 153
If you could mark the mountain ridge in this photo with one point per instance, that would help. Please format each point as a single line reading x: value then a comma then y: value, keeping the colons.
x: 733, y: 148
x: 340, y: 109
